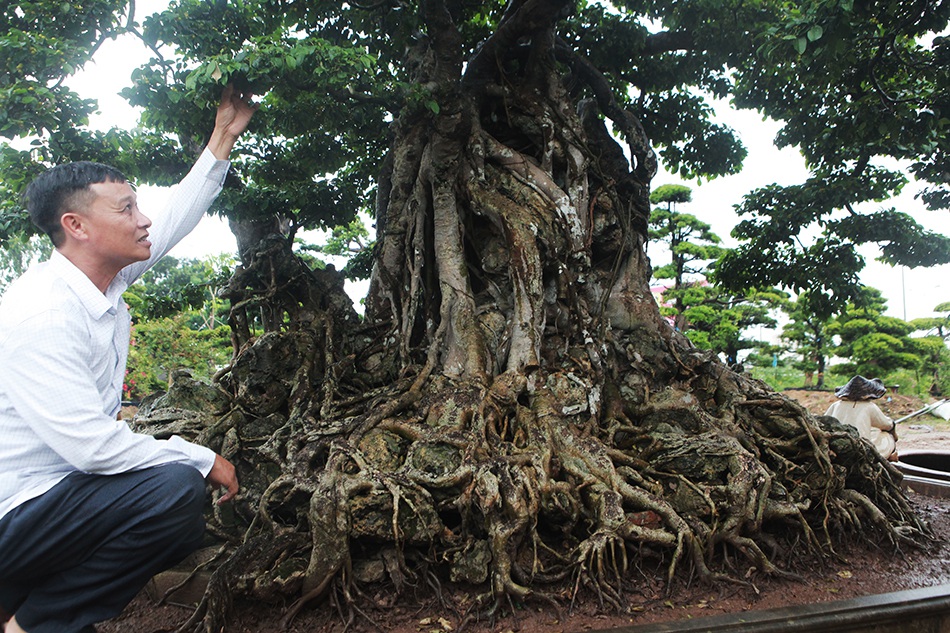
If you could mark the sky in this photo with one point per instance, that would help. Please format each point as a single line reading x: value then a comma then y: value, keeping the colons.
x: 911, y: 293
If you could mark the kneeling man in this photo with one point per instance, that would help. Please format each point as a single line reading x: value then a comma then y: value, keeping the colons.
x: 89, y: 510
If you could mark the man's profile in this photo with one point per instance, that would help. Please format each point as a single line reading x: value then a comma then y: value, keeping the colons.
x: 90, y: 510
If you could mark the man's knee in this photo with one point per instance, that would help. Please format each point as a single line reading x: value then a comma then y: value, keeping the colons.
x: 183, y: 494
x: 183, y: 483
x: 176, y: 525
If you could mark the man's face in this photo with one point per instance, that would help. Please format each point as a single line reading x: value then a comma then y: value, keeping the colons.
x: 117, y: 231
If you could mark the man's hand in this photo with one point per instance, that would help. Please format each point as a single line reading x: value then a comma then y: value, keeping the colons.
x: 234, y: 113
x: 223, y: 475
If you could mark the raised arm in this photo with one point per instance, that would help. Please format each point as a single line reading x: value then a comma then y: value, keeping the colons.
x: 234, y: 113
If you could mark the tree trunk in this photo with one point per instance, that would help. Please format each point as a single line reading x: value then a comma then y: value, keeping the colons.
x: 512, y: 412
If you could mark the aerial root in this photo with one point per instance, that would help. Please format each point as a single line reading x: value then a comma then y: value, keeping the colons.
x: 306, y: 599
x: 504, y: 590
x: 565, y: 502
x: 867, y: 507
x: 254, y: 557
x: 754, y: 554
x: 218, y: 555
x: 602, y: 557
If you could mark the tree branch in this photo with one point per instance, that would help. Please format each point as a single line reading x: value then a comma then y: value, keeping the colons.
x: 519, y: 20
x: 667, y: 41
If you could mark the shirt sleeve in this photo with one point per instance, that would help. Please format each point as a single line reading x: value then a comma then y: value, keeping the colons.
x: 188, y: 203
x: 49, y: 382
x: 879, y: 419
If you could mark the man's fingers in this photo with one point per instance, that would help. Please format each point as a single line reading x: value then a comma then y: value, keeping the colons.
x: 227, y: 496
x: 223, y: 475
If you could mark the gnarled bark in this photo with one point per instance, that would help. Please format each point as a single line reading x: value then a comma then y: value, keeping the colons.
x: 512, y: 412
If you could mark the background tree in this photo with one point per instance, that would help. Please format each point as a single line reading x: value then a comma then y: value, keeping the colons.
x: 512, y: 412
x: 807, y: 335
x: 353, y: 244
x: 768, y: 355
x: 719, y: 321
x: 934, y: 364
x: 189, y: 286
x: 688, y: 239
x: 873, y: 344
x: 937, y: 326
x: 853, y: 84
x: 935, y: 357
x: 164, y: 345
x: 178, y: 322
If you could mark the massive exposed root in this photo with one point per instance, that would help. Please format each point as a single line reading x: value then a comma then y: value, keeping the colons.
x: 512, y: 413
x: 528, y: 489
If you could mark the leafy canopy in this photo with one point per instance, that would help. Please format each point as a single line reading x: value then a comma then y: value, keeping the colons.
x: 692, y: 244
x: 873, y: 344
x: 856, y: 85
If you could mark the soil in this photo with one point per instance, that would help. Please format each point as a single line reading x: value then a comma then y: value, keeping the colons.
x: 862, y: 570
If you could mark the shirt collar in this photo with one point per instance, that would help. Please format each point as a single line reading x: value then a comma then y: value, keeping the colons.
x: 96, y: 303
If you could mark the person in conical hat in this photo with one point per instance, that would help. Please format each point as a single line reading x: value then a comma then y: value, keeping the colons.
x: 855, y: 407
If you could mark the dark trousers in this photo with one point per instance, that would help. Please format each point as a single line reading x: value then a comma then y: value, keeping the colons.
x: 80, y: 552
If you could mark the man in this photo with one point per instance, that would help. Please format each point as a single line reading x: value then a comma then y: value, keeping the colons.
x: 89, y: 510
x: 855, y: 408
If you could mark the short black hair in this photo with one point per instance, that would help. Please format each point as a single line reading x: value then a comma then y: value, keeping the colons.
x: 50, y: 194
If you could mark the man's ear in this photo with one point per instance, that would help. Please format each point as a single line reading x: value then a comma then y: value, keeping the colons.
x: 73, y: 225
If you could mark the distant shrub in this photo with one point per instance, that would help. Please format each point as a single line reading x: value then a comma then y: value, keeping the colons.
x: 163, y: 345
x: 780, y: 377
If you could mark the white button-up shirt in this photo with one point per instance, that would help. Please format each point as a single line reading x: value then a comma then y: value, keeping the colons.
x: 63, y: 350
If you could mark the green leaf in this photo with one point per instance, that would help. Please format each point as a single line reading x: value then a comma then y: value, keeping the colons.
x: 815, y: 33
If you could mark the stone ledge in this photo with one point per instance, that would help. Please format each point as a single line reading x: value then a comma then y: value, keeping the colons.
x: 924, y: 610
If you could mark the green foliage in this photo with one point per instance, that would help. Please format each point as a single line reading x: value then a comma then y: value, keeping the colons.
x: 187, y: 286
x: 875, y: 345
x: 178, y: 322
x: 852, y: 83
x: 807, y: 336
x: 906, y: 381
x: 162, y: 345
x: 671, y: 195
x: 40, y: 43
x: 719, y: 321
x: 936, y: 326
x: 352, y: 243
x: 935, y: 357
x: 689, y: 240
x: 778, y: 378
x: 767, y: 355
x: 934, y: 364
x: 316, y: 171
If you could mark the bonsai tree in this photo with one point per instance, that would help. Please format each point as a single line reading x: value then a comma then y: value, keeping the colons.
x: 511, y: 411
